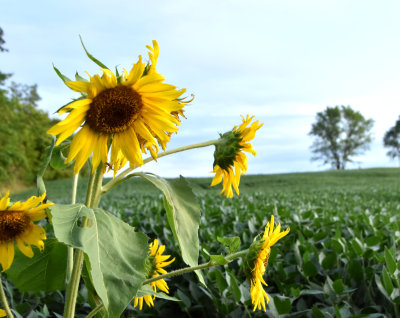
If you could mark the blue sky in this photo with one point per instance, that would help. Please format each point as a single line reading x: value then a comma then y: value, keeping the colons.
x: 282, y: 61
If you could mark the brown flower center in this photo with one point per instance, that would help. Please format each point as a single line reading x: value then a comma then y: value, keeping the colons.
x: 114, y: 110
x: 12, y: 224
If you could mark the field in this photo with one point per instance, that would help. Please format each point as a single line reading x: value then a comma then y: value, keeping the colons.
x: 340, y: 259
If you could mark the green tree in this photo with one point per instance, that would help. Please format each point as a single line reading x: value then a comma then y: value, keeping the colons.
x: 340, y: 133
x: 391, y: 140
x: 23, y: 138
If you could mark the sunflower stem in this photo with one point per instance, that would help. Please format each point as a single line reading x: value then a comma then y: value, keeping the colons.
x: 4, y: 300
x: 70, y: 260
x: 95, y: 311
x: 92, y: 201
x: 122, y: 176
x: 229, y: 258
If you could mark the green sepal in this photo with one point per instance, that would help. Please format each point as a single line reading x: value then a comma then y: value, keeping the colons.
x: 250, y: 258
x: 80, y: 78
x: 92, y: 57
x: 74, y: 100
x: 227, y: 148
x: 58, y: 159
x: 60, y: 75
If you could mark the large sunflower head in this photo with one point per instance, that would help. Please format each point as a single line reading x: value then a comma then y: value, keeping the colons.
x: 256, y: 261
x: 16, y: 226
x: 155, y: 263
x: 130, y: 113
x: 230, y: 162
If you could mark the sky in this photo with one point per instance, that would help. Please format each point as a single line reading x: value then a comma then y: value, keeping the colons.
x: 281, y: 61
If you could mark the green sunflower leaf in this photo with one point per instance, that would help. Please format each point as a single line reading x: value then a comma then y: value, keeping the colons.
x: 183, y: 214
x: 60, y: 75
x: 115, y: 252
x: 231, y: 244
x: 45, y: 271
x: 92, y: 57
x: 219, y: 259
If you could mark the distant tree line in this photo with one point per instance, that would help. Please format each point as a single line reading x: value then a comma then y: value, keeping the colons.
x: 342, y: 133
x: 23, y: 138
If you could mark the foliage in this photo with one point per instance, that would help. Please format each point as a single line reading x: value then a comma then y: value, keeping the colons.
x: 339, y: 260
x: 391, y: 140
x: 22, y: 133
x: 341, y: 133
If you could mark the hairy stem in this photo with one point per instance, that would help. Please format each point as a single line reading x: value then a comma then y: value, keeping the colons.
x: 123, y: 175
x: 92, y: 201
x: 70, y: 259
x: 4, y: 300
x: 229, y: 258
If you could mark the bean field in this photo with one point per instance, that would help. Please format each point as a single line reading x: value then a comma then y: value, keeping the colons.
x: 340, y: 259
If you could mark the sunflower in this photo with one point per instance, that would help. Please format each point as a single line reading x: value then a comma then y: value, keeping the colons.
x: 256, y: 262
x: 129, y: 113
x: 16, y: 226
x: 229, y: 160
x: 156, y: 262
x: 2, y: 313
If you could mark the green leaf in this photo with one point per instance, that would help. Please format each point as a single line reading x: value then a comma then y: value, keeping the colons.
x: 219, y: 259
x: 183, y: 214
x: 282, y: 304
x: 221, y: 281
x: 338, y: 286
x: 356, y: 270
x: 60, y: 75
x: 45, y: 271
x: 309, y: 269
x: 357, y: 246
x: 233, y: 286
x: 116, y: 253
x: 92, y: 57
x: 231, y: 244
x: 373, y: 240
x: 58, y: 159
x: 316, y: 313
x: 390, y: 261
x: 387, y: 281
x: 329, y: 261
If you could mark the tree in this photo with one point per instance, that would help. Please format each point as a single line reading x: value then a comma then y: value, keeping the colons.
x: 392, y: 140
x: 341, y: 133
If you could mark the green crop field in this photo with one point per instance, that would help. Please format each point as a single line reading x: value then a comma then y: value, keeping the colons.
x: 340, y: 259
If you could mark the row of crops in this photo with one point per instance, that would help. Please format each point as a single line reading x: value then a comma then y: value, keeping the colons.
x: 340, y: 259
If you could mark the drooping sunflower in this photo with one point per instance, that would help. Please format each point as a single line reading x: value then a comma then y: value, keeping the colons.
x: 229, y: 160
x: 129, y: 113
x: 155, y: 264
x: 256, y: 262
x: 16, y: 226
